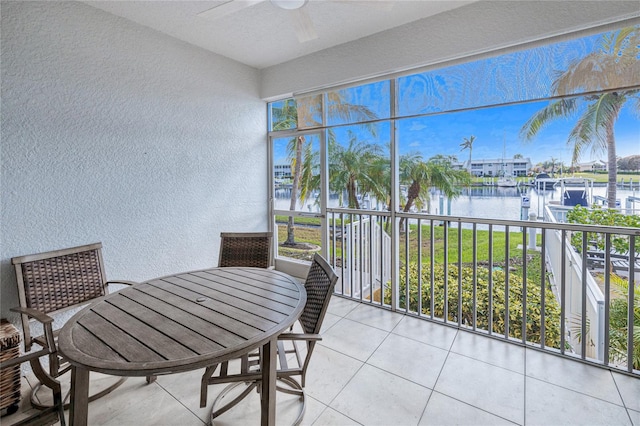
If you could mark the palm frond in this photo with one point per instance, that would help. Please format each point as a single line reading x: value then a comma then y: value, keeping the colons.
x: 593, y: 127
x: 309, y: 111
x: 555, y: 109
x: 285, y: 117
x: 307, y: 182
x: 615, y: 64
x: 616, y: 43
x: 584, y: 74
x: 340, y: 110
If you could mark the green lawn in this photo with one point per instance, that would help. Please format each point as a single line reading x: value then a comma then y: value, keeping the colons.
x: 312, y: 235
x: 597, y: 177
x: 482, y: 244
x: 603, y: 178
x: 482, y: 249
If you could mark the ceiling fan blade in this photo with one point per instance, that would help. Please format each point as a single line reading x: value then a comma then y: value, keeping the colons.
x: 227, y: 8
x: 384, y: 5
x: 303, y: 25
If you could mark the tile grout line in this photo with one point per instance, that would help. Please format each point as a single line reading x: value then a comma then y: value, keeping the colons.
x: 451, y: 351
x: 328, y: 405
x: 624, y: 404
x: 438, y: 376
x: 580, y: 393
x: 524, y: 390
x: 180, y: 402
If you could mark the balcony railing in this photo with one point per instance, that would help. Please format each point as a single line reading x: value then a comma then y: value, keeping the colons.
x: 560, y: 288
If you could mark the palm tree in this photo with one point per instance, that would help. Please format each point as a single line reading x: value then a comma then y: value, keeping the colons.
x: 355, y: 168
x: 468, y: 144
x: 301, y: 113
x: 378, y: 183
x: 553, y: 162
x: 613, y: 64
x: 421, y: 175
x: 285, y: 117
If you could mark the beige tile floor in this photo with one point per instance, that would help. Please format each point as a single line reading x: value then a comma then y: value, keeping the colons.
x: 375, y: 367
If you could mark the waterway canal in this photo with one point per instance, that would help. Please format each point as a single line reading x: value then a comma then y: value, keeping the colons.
x: 482, y: 202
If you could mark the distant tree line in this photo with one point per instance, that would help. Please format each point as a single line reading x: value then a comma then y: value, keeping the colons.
x: 630, y: 163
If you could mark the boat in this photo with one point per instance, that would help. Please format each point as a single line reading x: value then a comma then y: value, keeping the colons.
x: 576, y: 191
x: 503, y: 179
x: 543, y: 181
x: 507, y: 181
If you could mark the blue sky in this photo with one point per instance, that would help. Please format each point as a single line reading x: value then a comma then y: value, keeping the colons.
x: 505, y: 79
x: 495, y: 128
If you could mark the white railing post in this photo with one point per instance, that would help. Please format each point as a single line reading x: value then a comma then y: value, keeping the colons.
x: 601, y: 326
x: 533, y: 217
x: 368, y: 255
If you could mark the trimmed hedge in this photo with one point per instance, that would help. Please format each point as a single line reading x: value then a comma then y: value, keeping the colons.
x: 601, y: 216
x: 533, y: 301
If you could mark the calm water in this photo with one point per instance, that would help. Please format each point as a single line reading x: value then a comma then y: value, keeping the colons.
x: 484, y: 202
x: 505, y: 203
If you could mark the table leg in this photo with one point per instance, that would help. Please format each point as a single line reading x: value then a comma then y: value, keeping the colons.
x: 268, y: 397
x: 79, y: 407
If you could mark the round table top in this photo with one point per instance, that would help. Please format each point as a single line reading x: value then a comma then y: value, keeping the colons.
x: 182, y: 322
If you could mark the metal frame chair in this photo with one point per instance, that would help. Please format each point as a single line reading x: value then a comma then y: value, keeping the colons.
x: 246, y: 249
x: 53, y: 282
x: 319, y: 285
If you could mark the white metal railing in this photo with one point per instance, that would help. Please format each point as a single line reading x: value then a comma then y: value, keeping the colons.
x: 565, y: 266
x: 363, y: 260
x: 489, y: 277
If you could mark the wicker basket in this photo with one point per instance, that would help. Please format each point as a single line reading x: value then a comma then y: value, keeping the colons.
x: 9, y: 377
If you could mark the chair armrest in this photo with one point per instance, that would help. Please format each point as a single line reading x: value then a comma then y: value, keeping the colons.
x: 33, y: 313
x: 300, y: 336
x: 24, y: 358
x: 49, y: 339
x: 125, y: 282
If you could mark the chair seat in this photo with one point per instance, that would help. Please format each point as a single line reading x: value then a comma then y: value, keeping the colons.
x: 289, y: 364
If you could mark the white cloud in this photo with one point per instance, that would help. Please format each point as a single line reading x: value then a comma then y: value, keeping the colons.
x: 417, y: 126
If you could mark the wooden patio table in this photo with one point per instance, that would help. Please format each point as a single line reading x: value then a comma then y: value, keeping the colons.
x: 180, y: 323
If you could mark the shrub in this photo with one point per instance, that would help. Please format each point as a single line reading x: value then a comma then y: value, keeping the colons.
x: 533, y: 300
x: 619, y: 313
x: 600, y: 216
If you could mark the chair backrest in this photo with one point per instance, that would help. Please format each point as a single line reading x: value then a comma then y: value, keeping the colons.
x: 59, y: 279
x: 319, y: 285
x: 248, y: 249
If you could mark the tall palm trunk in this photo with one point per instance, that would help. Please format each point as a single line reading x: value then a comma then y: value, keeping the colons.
x: 412, y: 194
x: 612, y: 166
x: 612, y: 161
x: 353, y: 198
x: 297, y: 170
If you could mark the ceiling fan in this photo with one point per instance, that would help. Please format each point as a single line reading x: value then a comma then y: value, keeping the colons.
x: 302, y: 23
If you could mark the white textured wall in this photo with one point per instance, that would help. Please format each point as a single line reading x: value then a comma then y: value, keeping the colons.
x: 476, y: 28
x: 113, y: 132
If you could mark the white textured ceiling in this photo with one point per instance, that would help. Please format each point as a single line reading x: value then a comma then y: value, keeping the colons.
x: 261, y: 35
